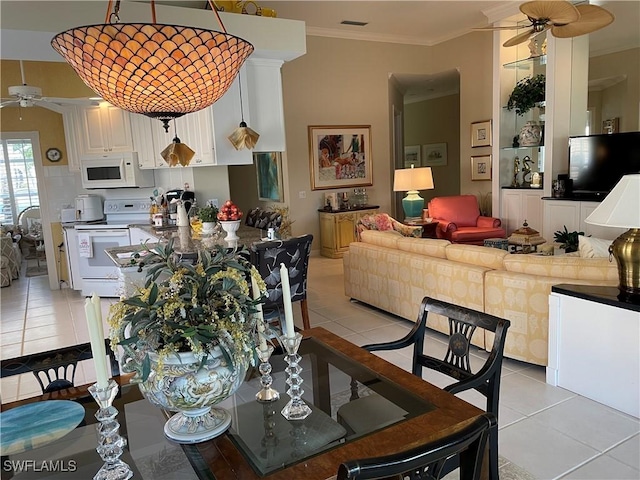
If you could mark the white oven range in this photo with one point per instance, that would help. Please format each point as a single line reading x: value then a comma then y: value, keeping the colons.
x: 96, y: 270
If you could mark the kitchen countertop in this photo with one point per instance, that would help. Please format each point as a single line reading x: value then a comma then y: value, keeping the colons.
x: 184, y: 243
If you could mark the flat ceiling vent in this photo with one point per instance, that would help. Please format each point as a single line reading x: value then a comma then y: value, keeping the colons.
x: 353, y: 22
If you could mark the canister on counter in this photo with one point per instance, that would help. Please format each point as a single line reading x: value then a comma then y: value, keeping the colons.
x: 158, y: 219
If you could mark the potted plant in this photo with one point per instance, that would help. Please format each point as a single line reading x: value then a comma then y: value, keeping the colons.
x: 188, y: 335
x: 526, y: 94
x: 209, y: 217
x: 568, y: 240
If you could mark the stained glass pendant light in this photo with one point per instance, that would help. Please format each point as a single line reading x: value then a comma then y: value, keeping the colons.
x: 162, y: 71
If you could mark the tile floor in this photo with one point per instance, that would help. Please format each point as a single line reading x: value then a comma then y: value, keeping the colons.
x: 548, y: 432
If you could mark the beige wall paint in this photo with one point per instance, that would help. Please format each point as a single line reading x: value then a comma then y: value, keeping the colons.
x: 345, y: 82
x: 621, y: 100
x: 437, y: 121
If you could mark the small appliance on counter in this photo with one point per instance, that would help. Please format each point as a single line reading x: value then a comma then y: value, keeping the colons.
x: 88, y: 208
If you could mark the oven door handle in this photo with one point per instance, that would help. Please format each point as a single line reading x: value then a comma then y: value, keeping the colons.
x: 105, y: 233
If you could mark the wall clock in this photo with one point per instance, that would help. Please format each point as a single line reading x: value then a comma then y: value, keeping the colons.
x: 54, y: 155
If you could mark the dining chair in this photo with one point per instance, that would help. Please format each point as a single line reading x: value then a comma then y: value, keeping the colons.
x: 56, y: 369
x: 463, y: 323
x: 428, y: 461
x: 294, y: 253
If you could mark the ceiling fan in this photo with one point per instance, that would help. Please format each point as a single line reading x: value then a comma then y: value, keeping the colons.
x: 25, y: 96
x: 562, y: 18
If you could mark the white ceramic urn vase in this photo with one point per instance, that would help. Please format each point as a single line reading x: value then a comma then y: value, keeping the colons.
x: 530, y: 134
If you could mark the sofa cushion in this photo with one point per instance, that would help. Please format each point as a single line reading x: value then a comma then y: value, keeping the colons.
x: 591, y: 247
x: 430, y: 247
x: 565, y: 267
x: 387, y: 238
x: 475, y: 255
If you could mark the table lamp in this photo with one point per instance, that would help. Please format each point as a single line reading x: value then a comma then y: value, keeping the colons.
x: 620, y: 209
x: 411, y: 180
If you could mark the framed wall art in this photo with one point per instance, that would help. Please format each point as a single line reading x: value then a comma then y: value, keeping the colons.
x: 340, y: 156
x: 434, y: 155
x: 412, y: 156
x: 481, y: 134
x: 269, y: 173
x: 481, y: 167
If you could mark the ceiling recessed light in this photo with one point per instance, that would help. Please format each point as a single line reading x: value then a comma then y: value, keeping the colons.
x: 354, y: 22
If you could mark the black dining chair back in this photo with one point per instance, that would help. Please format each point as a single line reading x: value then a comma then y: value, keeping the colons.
x: 294, y: 253
x: 428, y: 461
x: 56, y: 369
x: 463, y: 323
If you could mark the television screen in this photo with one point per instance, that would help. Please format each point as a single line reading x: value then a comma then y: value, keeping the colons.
x: 598, y: 162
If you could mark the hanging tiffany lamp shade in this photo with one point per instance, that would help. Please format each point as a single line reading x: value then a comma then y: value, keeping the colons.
x: 162, y: 71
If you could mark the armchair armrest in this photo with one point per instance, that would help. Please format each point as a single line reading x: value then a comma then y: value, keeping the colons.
x: 446, y: 225
x: 488, y: 222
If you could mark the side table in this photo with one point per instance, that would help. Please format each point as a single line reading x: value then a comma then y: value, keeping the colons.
x: 428, y: 228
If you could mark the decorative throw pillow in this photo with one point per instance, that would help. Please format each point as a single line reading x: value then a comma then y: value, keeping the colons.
x: 591, y: 247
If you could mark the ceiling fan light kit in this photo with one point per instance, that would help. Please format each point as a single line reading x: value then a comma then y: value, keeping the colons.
x: 563, y: 19
x: 162, y: 71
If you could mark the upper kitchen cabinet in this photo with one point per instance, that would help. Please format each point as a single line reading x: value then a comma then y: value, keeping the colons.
x: 104, y: 129
x: 227, y: 114
x: 70, y: 123
x: 264, y: 83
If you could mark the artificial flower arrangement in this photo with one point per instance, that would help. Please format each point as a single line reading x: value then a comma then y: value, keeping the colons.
x: 186, y: 306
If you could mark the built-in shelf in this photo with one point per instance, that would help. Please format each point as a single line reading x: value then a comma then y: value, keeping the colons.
x: 527, y: 63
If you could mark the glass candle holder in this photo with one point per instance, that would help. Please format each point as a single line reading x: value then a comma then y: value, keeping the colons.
x: 267, y: 393
x: 110, y: 443
x: 296, y: 409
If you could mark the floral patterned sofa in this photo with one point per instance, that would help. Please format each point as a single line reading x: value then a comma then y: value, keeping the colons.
x: 394, y: 273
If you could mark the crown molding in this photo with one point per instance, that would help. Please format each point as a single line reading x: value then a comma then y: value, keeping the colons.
x: 502, y: 12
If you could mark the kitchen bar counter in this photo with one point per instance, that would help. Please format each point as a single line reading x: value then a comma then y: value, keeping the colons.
x: 184, y: 242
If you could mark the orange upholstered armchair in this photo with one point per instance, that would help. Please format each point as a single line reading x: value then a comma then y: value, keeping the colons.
x: 459, y: 220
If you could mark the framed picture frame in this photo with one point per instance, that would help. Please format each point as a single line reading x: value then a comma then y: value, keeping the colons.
x: 611, y: 125
x: 269, y: 176
x: 340, y: 156
x: 434, y: 155
x: 481, y: 134
x: 481, y: 167
x: 412, y: 156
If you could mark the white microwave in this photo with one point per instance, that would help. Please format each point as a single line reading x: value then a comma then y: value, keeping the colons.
x: 115, y: 171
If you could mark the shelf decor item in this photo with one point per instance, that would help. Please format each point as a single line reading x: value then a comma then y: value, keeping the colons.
x: 134, y: 66
x: 188, y: 335
x: 527, y: 93
x: 530, y: 134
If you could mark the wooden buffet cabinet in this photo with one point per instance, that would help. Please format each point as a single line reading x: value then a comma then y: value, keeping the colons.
x: 338, y: 229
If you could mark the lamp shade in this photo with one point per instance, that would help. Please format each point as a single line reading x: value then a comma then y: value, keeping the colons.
x: 162, y: 71
x: 621, y: 207
x: 407, y: 179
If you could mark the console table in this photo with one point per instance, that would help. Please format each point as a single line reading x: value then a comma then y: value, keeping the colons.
x: 338, y: 229
x: 593, y: 345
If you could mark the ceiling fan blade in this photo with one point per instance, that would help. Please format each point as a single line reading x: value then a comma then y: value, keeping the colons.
x: 10, y: 103
x: 557, y: 12
x: 592, y: 18
x: 50, y: 106
x: 520, y: 38
x: 513, y: 27
x: 70, y: 101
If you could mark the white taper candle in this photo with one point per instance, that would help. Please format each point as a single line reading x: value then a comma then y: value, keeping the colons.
x: 286, y: 298
x: 260, y: 318
x: 96, y: 337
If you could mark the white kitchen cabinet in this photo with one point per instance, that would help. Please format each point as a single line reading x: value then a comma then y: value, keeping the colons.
x: 264, y: 83
x: 143, y: 140
x: 104, y: 129
x: 521, y: 205
x: 226, y: 118
x: 70, y: 123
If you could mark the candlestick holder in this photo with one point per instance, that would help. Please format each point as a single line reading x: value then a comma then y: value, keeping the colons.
x: 296, y: 409
x: 267, y: 393
x: 110, y: 443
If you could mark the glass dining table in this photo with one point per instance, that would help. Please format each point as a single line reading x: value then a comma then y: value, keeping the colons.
x: 261, y: 443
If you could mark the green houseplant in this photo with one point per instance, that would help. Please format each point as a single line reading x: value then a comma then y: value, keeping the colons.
x: 188, y: 335
x: 568, y: 240
x: 526, y: 94
x: 208, y: 213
